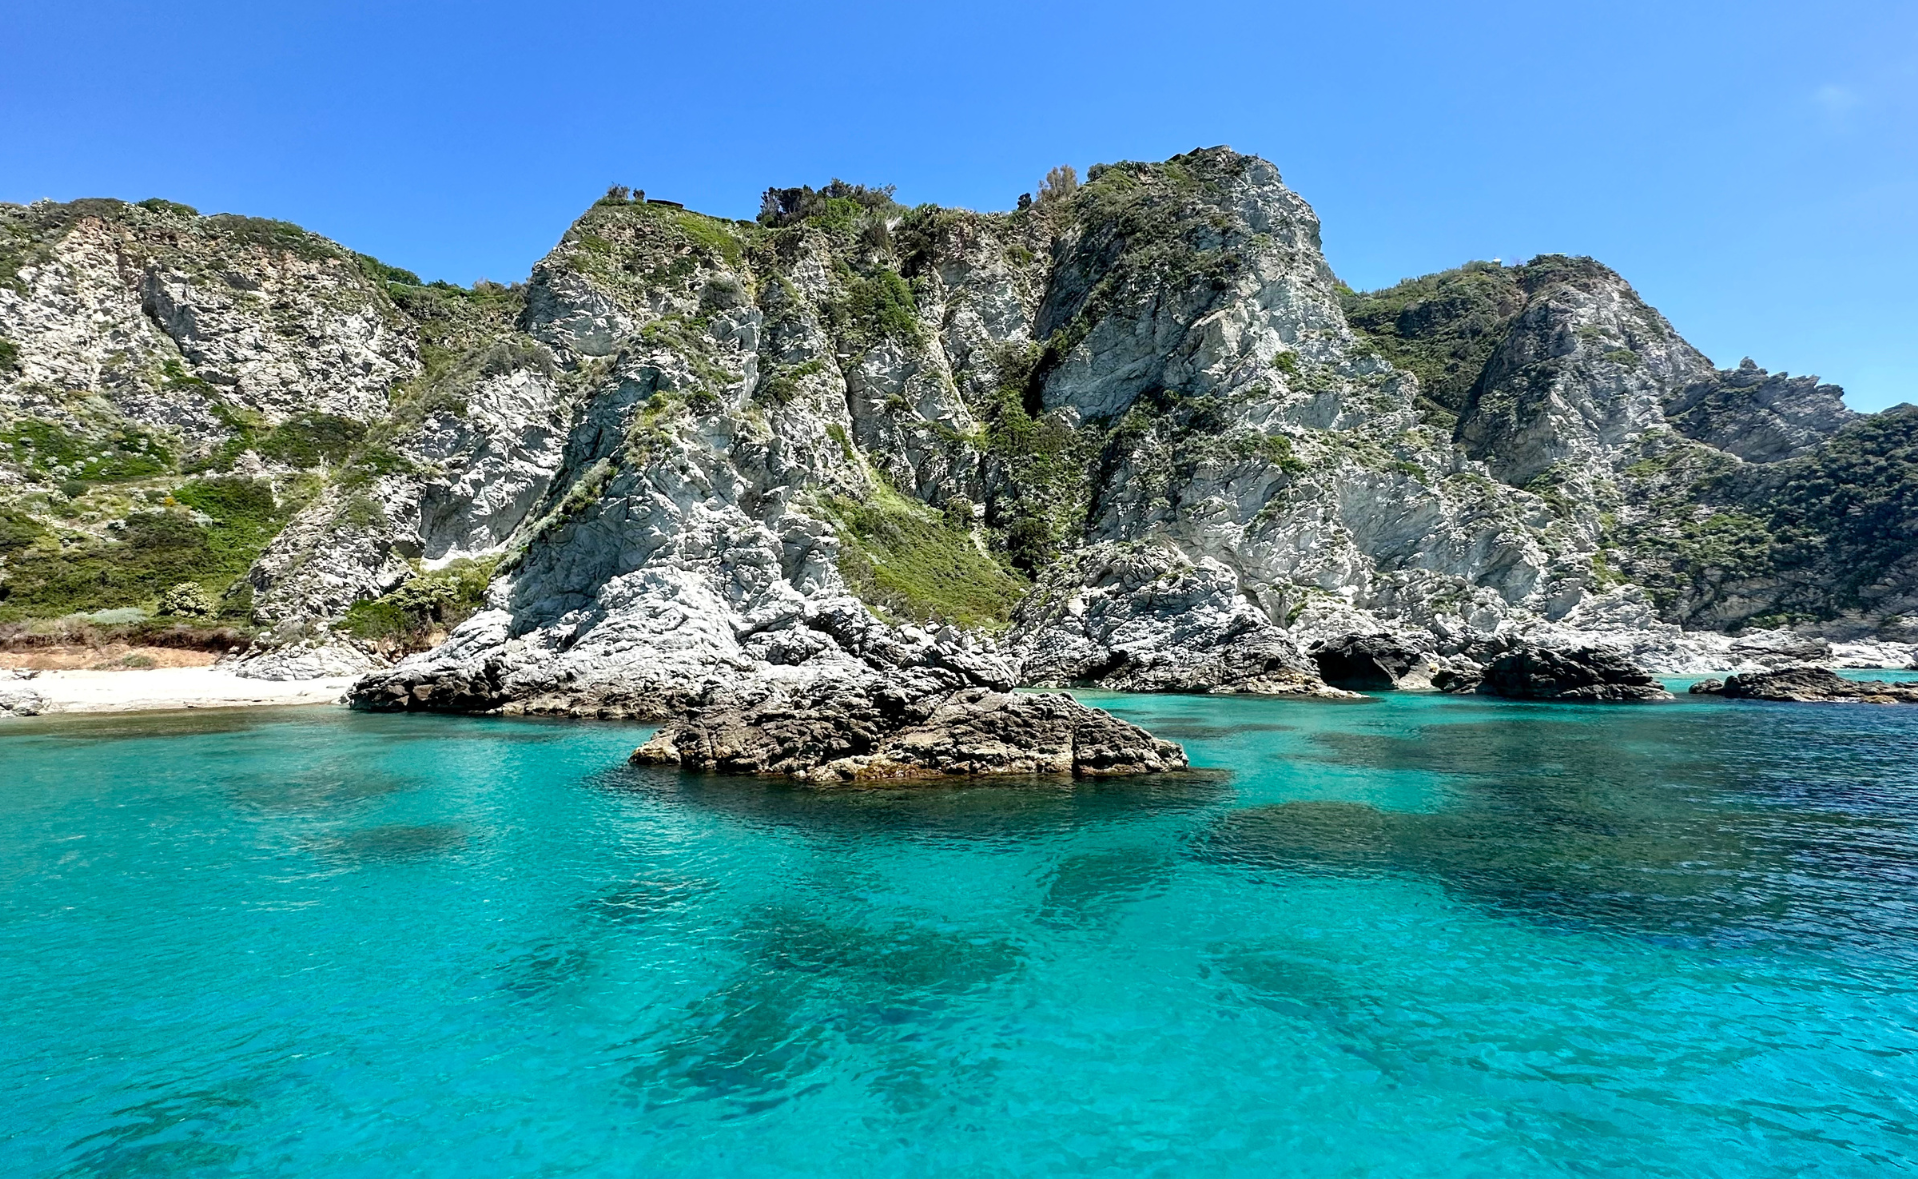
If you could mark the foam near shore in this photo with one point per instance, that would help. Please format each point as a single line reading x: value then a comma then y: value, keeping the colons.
x: 158, y: 689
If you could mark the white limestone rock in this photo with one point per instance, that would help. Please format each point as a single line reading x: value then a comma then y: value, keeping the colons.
x: 307, y: 662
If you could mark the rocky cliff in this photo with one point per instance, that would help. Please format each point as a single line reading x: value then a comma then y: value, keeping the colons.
x: 1135, y: 434
x: 1735, y: 497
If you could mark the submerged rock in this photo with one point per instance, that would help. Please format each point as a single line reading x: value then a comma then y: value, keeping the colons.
x: 832, y: 731
x: 1544, y: 673
x: 1808, y: 685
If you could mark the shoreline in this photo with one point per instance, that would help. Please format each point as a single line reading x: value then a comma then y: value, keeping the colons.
x: 80, y: 692
x: 160, y: 689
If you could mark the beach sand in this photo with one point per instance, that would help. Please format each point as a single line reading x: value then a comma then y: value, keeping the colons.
x: 163, y: 688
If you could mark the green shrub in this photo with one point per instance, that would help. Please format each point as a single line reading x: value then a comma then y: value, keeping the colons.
x: 1060, y: 183
x: 123, y: 616
x: 362, y: 511
x: 837, y: 203
x: 267, y: 234
x: 406, y: 618
x: 380, y: 272
x: 312, y: 439
x: 237, y: 602
x: 372, y: 461
x: 837, y: 433
x: 781, y: 385
x: 880, y: 307
x: 125, y: 453
x: 1442, y: 327
x: 18, y: 530
x: 156, y: 551
x: 188, y: 600
x: 1041, y: 472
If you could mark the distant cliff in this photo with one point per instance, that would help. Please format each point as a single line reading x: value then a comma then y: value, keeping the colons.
x: 1134, y: 434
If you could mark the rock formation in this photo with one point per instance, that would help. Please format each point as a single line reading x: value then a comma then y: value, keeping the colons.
x: 1375, y: 662
x: 1137, y: 438
x: 1587, y: 674
x: 829, y: 731
x: 17, y: 699
x: 1807, y: 685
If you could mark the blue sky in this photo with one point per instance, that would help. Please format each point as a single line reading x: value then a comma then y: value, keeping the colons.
x: 1752, y: 168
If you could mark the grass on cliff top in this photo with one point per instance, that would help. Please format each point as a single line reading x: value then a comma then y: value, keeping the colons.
x: 911, y: 564
x: 1442, y: 328
x: 157, y: 551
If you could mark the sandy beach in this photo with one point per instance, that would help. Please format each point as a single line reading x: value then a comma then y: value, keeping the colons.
x: 158, y: 689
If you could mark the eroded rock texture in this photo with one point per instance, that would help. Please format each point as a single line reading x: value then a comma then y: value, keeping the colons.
x: 1584, y: 674
x: 1808, y: 685
x: 833, y: 731
x: 1138, y: 437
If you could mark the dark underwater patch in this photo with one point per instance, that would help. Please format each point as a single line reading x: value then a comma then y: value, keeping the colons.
x: 175, y: 1133
x: 640, y: 901
x: 320, y: 789
x: 1195, y: 730
x: 804, y: 986
x: 543, y: 969
x: 1092, y: 887
x: 397, y: 841
x: 1685, y: 873
x: 1283, y: 981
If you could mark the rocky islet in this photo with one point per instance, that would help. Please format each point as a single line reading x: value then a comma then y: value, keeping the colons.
x: 1806, y: 685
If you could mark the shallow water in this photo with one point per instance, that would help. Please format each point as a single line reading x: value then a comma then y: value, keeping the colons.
x: 1418, y: 936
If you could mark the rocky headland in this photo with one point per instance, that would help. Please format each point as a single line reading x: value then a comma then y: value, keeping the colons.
x: 1134, y: 435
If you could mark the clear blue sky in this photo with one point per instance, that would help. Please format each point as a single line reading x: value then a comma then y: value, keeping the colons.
x: 1752, y: 168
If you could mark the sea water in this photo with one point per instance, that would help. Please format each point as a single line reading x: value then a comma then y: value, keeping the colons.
x: 1417, y: 936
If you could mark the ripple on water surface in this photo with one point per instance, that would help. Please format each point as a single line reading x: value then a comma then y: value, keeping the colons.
x: 1416, y: 936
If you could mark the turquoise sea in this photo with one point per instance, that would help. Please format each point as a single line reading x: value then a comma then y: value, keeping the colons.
x: 1413, y: 937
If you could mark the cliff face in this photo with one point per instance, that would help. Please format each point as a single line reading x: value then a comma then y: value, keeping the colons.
x: 1135, y: 435
x: 1734, y: 496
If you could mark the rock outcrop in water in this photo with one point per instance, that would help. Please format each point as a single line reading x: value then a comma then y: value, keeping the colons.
x: 1374, y: 662
x: 1807, y: 685
x: 831, y: 731
x: 1138, y: 437
x: 1588, y: 674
